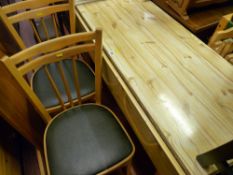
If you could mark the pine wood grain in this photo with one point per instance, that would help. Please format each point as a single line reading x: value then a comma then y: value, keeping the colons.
x: 183, y: 86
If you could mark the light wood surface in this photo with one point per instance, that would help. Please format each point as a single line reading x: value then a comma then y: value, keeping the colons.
x: 183, y: 86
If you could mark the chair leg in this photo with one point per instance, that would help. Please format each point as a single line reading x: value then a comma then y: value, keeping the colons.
x: 130, y: 169
x: 40, y: 159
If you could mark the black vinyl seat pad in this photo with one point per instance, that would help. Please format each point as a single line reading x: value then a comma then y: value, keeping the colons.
x: 44, y: 90
x: 85, y: 140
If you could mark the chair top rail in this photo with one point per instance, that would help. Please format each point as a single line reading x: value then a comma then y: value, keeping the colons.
x: 38, y: 13
x: 60, y: 55
x: 51, y: 45
x: 29, y: 4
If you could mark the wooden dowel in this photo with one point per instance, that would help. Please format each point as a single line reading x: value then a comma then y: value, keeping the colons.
x: 98, y: 65
x: 45, y: 28
x: 39, y: 156
x: 76, y: 80
x: 220, y: 48
x: 54, y: 57
x: 65, y: 82
x: 227, y: 48
x: 72, y: 16
x: 53, y: 84
x: 35, y: 31
x: 55, y: 25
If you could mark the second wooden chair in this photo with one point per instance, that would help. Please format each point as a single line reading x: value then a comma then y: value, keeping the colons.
x: 43, y: 16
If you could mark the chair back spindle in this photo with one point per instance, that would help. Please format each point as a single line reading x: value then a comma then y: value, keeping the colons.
x: 54, y: 86
x: 65, y: 82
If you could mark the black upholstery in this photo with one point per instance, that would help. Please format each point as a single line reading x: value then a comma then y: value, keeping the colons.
x: 45, y: 92
x: 84, y: 141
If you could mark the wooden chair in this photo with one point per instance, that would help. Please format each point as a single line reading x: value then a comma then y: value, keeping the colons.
x: 83, y: 139
x: 39, y: 13
x: 222, y: 43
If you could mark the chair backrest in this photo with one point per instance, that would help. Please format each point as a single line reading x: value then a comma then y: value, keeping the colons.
x: 42, y: 15
x: 222, y: 42
x: 56, y: 51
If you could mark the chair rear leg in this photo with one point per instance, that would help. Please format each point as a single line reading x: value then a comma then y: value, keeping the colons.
x: 40, y: 159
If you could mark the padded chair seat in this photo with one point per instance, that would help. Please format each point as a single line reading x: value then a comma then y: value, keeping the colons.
x: 85, y: 140
x: 43, y: 89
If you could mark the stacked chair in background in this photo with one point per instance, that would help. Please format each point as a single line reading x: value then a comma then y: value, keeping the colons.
x: 222, y: 39
x: 45, y: 20
x: 83, y: 138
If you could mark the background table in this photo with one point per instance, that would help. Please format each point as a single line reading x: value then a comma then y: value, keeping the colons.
x: 201, y: 21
